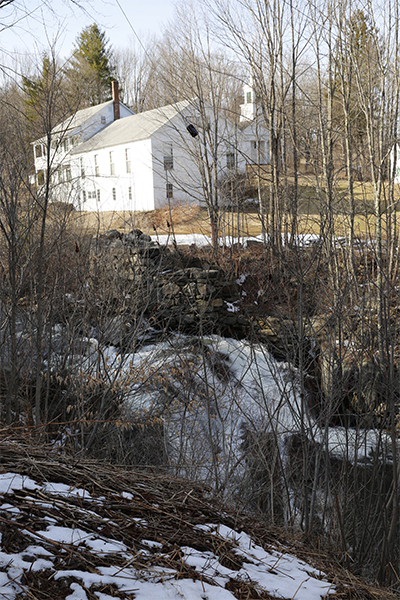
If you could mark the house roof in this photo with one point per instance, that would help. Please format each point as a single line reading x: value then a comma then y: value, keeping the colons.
x: 79, y: 117
x: 76, y: 120
x: 132, y: 129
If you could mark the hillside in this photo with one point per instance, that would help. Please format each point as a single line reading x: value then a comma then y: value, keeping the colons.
x: 78, y: 530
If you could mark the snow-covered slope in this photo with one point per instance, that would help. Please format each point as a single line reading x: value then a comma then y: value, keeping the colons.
x: 108, y: 534
x: 83, y: 530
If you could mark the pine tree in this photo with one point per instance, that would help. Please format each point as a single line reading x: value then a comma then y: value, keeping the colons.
x: 34, y: 89
x: 91, y: 71
x: 44, y: 102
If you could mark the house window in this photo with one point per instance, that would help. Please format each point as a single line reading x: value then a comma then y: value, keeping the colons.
x: 248, y: 98
x: 40, y: 177
x: 170, y: 190
x: 128, y: 160
x: 168, y: 157
x: 38, y: 151
x: 258, y: 154
x: 130, y: 193
x: 230, y: 160
x: 67, y: 173
x: 82, y: 164
x: 83, y: 196
x: 98, y: 195
x: 261, y: 145
x: 114, y: 194
x: 96, y: 165
x: 65, y: 145
x: 112, y: 166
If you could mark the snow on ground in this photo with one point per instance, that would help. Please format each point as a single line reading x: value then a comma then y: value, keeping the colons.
x: 239, y: 383
x: 50, y: 549
x: 219, y: 400
x: 301, y: 239
x: 199, y: 239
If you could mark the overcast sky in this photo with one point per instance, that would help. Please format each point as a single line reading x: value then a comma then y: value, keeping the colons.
x: 30, y: 25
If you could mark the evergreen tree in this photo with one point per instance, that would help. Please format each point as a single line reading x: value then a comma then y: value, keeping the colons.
x: 91, y: 71
x: 43, y: 100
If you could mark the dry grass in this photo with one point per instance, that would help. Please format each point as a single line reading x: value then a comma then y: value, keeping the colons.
x: 190, y: 218
x: 159, y: 509
x: 187, y: 220
x: 184, y: 218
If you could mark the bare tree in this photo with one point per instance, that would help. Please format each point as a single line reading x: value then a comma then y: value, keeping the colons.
x: 134, y: 71
x: 194, y: 69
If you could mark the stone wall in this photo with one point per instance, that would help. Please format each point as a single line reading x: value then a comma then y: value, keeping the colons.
x: 197, y: 297
x: 202, y: 299
x: 177, y: 297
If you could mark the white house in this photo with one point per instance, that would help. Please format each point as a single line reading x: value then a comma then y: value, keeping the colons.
x: 255, y: 140
x: 107, y: 158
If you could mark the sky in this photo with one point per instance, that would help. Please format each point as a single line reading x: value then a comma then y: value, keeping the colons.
x: 29, y: 26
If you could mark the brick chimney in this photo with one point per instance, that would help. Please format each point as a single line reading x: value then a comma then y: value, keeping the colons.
x: 115, y: 95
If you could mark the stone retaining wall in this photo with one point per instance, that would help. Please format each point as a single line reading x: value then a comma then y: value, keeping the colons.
x: 178, y: 298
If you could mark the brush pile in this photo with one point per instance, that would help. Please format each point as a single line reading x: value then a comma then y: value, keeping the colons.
x: 83, y: 530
